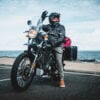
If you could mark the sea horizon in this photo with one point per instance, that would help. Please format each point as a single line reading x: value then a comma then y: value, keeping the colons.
x: 84, y: 55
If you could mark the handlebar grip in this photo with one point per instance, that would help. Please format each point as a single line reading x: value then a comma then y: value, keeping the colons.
x: 25, y: 31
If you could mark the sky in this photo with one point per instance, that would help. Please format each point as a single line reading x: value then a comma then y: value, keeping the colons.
x: 81, y: 19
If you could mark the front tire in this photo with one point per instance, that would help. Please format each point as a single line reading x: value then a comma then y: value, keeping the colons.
x: 21, y: 77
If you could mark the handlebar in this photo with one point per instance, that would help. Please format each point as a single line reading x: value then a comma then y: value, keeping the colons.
x: 26, y: 31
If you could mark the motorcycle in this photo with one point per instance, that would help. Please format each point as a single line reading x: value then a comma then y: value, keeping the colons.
x: 38, y: 59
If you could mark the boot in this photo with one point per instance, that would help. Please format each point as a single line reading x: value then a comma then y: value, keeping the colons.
x: 62, y: 83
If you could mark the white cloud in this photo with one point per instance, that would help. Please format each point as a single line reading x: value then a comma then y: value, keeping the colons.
x: 81, y: 19
x: 13, y: 21
x: 14, y: 43
x: 85, y: 40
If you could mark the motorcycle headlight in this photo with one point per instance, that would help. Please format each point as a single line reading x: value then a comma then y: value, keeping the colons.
x: 32, y: 33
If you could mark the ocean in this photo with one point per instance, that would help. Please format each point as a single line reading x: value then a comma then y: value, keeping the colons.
x: 10, y: 53
x: 82, y: 55
x: 89, y: 55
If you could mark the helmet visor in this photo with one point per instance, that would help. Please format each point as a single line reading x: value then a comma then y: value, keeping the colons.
x: 55, y: 19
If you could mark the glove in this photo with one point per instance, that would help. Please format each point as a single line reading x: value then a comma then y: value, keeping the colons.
x: 45, y: 28
x: 46, y: 45
x: 44, y: 14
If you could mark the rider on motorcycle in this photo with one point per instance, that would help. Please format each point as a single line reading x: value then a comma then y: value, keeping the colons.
x: 56, y: 34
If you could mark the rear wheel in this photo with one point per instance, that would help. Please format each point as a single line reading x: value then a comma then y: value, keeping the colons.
x: 21, y: 77
x: 70, y: 53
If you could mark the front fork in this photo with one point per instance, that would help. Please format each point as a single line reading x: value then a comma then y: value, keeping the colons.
x: 34, y: 64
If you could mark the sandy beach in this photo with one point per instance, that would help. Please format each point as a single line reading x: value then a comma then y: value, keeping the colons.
x: 80, y: 66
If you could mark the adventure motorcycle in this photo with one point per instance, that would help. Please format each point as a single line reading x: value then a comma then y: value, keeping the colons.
x: 38, y: 59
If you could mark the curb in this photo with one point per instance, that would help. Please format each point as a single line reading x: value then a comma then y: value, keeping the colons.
x: 5, y: 65
x: 80, y: 71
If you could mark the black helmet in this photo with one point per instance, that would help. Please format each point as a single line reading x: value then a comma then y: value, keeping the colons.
x: 54, y: 18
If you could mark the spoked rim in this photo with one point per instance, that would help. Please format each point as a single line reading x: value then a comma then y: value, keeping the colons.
x: 23, y: 72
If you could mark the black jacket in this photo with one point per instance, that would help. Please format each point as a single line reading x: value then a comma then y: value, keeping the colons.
x: 56, y: 34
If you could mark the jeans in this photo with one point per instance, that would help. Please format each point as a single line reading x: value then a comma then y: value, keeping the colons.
x: 59, y: 53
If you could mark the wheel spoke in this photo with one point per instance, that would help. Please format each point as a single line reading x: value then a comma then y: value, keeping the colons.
x: 22, y: 73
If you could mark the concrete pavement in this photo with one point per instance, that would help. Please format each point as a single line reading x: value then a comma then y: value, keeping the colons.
x: 79, y: 66
x: 79, y: 86
x: 90, y: 67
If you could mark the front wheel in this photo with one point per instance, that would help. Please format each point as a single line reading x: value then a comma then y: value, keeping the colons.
x: 21, y: 77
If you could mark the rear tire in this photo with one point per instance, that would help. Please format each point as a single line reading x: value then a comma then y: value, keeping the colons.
x: 70, y: 53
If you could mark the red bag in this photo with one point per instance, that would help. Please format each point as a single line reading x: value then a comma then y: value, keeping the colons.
x: 67, y: 42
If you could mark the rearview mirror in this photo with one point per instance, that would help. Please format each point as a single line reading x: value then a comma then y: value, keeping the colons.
x: 29, y: 22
